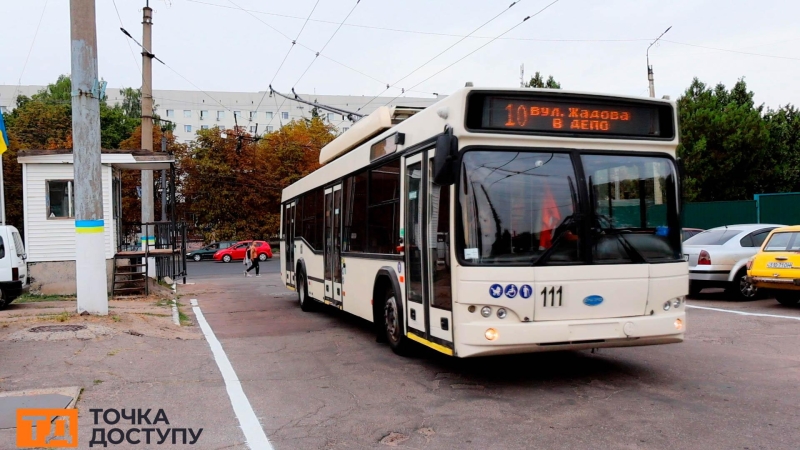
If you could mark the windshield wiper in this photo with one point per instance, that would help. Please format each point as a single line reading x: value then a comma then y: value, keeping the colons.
x: 635, y: 255
x: 569, y: 220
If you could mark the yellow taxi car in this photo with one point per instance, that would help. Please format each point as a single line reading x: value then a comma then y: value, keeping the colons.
x: 776, y: 267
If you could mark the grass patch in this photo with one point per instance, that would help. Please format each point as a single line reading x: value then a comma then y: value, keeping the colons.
x: 165, y: 303
x: 116, y: 318
x: 96, y: 382
x: 32, y: 298
x: 184, y: 319
x: 113, y: 352
x: 154, y: 314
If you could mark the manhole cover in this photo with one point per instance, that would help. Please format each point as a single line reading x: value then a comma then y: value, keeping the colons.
x: 57, y: 328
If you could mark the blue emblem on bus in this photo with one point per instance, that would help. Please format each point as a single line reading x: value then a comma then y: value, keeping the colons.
x: 525, y: 291
x: 496, y: 290
x: 593, y: 300
x: 511, y: 291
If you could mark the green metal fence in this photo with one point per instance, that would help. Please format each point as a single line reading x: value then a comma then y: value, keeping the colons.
x: 783, y: 208
x: 707, y: 215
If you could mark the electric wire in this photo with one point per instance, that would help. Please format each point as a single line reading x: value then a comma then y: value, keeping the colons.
x: 731, y: 51
x: 482, y: 46
x: 133, y: 55
x: 294, y: 41
x: 442, y: 52
x: 326, y: 44
x: 30, y: 49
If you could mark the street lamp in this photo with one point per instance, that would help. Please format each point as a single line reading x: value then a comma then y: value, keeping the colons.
x: 649, y: 67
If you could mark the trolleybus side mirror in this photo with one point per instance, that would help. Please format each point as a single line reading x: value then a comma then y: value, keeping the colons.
x: 444, y: 159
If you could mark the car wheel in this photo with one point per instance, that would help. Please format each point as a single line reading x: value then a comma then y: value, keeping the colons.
x: 227, y: 258
x: 306, y: 303
x: 262, y: 257
x: 741, y: 288
x: 393, y: 325
x: 197, y: 258
x: 787, y: 298
x: 694, y: 288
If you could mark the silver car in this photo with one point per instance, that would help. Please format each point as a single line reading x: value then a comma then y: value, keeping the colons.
x: 718, y: 258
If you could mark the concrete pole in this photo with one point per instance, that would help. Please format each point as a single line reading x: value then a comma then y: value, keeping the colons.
x: 90, y: 261
x: 148, y: 198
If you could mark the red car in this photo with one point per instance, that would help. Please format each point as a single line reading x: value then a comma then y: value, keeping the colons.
x: 236, y: 251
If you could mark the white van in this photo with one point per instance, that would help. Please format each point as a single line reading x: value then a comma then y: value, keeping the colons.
x: 13, y: 265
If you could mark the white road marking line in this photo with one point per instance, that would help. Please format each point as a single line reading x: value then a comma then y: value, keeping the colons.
x: 253, y: 432
x: 744, y: 313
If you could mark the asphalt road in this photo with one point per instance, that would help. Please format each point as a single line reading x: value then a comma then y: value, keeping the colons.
x: 319, y: 380
x: 213, y: 269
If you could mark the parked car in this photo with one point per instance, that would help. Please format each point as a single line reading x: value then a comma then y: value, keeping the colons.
x: 718, y: 258
x: 13, y: 265
x: 236, y: 251
x: 686, y: 233
x: 208, y: 251
x: 776, y: 266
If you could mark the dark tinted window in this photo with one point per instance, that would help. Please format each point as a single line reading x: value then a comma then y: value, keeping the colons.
x: 713, y: 237
x: 747, y: 241
x: 759, y: 237
x: 355, y: 209
x: 308, y: 230
x: 383, y: 212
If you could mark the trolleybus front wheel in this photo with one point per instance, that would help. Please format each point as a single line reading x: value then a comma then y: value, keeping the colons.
x: 393, y: 324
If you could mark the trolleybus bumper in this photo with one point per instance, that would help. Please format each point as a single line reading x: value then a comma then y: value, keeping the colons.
x: 528, y: 337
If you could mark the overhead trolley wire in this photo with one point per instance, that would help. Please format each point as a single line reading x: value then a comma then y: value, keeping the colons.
x: 482, y: 46
x: 30, y: 50
x: 441, y: 53
x: 430, y: 33
x: 294, y: 41
x: 326, y: 44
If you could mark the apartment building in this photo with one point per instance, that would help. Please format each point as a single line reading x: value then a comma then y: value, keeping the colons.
x: 257, y: 112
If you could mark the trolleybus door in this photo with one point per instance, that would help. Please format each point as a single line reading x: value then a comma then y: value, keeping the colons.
x: 288, y: 234
x: 333, y: 243
x: 426, y: 245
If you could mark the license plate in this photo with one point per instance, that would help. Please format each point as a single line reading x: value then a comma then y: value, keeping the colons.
x: 779, y: 265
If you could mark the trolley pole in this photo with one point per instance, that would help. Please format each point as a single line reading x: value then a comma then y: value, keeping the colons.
x: 650, y: 68
x: 148, y: 198
x: 90, y: 261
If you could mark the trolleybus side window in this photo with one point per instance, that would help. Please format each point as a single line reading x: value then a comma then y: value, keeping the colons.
x: 355, y: 213
x: 312, y: 205
x: 383, y: 213
x: 439, y: 246
x: 517, y: 207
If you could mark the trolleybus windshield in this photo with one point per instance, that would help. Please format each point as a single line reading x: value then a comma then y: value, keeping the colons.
x: 525, y: 207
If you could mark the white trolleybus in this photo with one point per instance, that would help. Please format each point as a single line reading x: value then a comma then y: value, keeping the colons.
x: 497, y: 221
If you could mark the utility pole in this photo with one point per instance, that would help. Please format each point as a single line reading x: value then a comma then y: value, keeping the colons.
x: 163, y: 177
x: 148, y: 198
x: 90, y: 261
x: 650, y: 68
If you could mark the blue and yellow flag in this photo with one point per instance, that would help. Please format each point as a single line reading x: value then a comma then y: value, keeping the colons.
x: 3, y: 136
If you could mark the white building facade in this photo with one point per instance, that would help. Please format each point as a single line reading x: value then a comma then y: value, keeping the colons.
x: 257, y: 112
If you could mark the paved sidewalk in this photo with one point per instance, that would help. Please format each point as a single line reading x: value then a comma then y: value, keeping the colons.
x: 135, y: 358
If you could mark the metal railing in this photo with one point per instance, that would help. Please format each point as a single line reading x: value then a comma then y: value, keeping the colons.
x: 149, y: 236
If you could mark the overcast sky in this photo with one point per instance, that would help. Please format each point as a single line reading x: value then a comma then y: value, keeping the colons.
x: 592, y: 45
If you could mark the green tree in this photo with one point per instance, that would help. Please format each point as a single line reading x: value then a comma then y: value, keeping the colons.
x: 723, y: 143
x: 537, y: 81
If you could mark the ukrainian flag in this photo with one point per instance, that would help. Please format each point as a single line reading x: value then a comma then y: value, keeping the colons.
x: 3, y: 136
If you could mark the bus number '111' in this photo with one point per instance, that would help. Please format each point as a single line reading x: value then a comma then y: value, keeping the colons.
x: 564, y: 118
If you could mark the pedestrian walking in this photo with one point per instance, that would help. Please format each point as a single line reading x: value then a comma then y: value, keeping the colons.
x: 246, y: 261
x: 253, y: 254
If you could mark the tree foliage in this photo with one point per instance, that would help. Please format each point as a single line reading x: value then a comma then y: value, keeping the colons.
x: 537, y: 81
x: 232, y: 185
x: 732, y: 148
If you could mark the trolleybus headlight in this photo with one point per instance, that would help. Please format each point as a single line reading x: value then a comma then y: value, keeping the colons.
x: 667, y: 305
x: 471, y: 308
x: 678, y: 324
x: 502, y: 313
x: 491, y: 334
x: 486, y: 311
x: 677, y: 302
